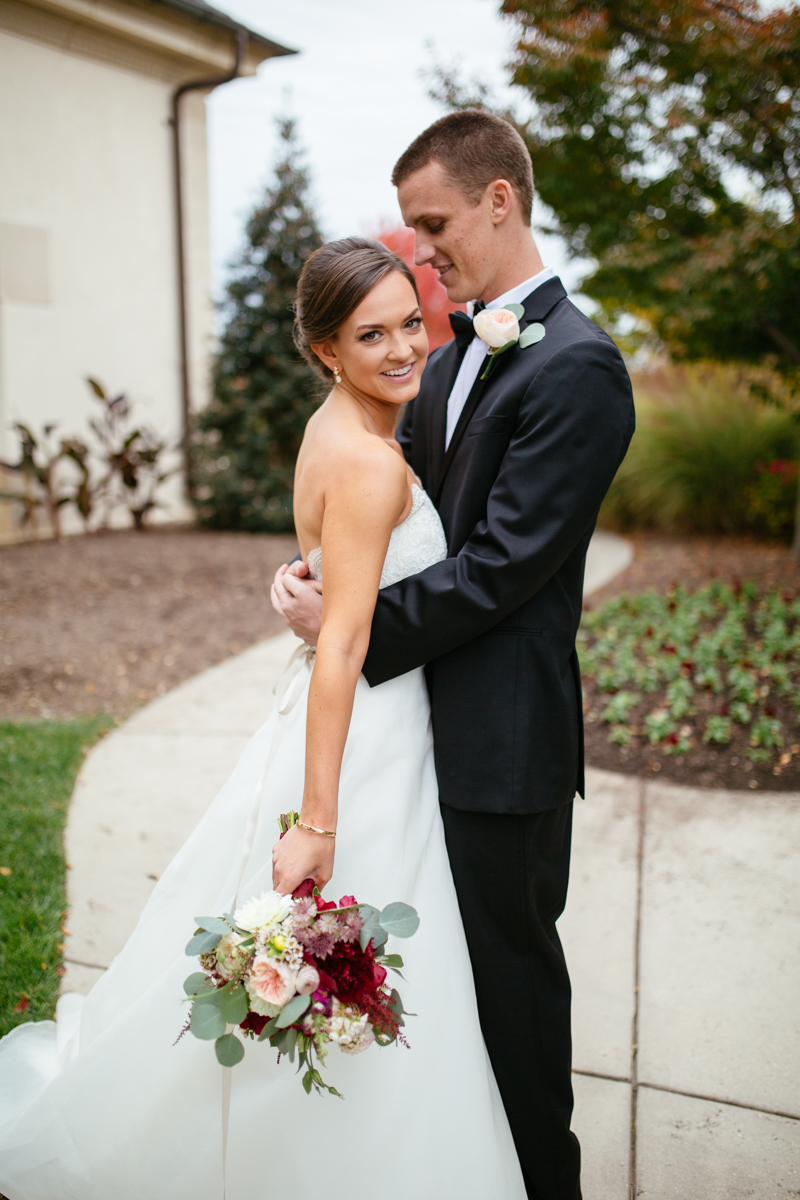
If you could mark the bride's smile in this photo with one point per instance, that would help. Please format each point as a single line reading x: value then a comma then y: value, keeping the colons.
x: 381, y: 349
x: 399, y: 373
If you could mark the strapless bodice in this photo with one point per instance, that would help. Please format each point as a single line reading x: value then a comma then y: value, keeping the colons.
x: 416, y: 543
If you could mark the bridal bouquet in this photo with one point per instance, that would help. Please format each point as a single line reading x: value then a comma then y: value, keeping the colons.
x: 300, y: 972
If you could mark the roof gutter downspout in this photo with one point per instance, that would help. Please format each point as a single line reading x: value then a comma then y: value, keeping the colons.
x: 242, y: 39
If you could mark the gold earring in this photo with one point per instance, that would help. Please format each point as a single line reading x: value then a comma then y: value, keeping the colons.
x: 336, y: 374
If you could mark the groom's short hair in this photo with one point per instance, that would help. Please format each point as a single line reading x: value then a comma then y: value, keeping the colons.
x: 475, y: 148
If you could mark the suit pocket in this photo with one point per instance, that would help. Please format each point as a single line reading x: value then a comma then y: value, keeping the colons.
x: 484, y: 425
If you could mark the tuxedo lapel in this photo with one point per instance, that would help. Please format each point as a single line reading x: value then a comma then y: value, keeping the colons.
x: 542, y: 299
x: 450, y: 360
x: 536, y: 306
x: 470, y: 405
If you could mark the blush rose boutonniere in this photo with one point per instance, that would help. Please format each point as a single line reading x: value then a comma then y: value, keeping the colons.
x: 499, y: 329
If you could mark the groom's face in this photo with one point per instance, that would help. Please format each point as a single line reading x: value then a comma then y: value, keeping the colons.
x: 453, y: 235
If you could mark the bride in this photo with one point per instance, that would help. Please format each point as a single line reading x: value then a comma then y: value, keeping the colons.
x: 102, y: 1105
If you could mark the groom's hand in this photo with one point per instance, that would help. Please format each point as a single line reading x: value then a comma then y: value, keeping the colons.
x: 298, y: 600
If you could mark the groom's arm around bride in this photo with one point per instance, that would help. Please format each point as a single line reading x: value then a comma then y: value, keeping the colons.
x: 518, y: 460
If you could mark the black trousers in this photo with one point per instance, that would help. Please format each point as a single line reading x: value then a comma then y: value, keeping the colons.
x: 511, y: 877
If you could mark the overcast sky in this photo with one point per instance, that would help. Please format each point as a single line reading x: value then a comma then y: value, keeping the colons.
x: 357, y: 92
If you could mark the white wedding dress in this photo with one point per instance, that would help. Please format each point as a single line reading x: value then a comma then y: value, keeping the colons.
x: 101, y: 1105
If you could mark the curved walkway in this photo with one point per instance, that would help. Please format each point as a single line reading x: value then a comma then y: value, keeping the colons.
x: 681, y: 930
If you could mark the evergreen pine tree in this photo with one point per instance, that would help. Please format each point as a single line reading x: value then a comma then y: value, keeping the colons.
x: 264, y: 393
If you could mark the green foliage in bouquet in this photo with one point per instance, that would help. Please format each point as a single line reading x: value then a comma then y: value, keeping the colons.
x: 687, y: 668
x: 328, y: 990
x: 247, y: 439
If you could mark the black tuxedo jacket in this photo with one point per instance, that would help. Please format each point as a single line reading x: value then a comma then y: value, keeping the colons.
x: 518, y: 492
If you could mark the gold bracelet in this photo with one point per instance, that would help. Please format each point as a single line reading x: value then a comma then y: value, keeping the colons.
x: 312, y: 829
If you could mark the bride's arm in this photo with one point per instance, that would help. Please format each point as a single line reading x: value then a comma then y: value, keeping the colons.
x: 362, y: 505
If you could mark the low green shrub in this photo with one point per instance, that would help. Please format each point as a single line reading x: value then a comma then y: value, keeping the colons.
x: 710, y: 455
x: 695, y: 672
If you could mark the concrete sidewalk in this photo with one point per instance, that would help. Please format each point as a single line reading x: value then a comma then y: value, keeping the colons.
x: 681, y: 931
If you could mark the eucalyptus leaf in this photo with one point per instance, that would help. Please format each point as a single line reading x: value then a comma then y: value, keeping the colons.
x: 369, y: 917
x: 400, y: 920
x: 531, y: 335
x: 292, y: 1011
x: 195, y: 982
x: 392, y: 960
x: 213, y: 925
x: 290, y: 1043
x: 230, y: 1050
x: 213, y: 995
x: 210, y: 996
x: 396, y: 1005
x: 202, y: 943
x: 268, y: 1030
x: 279, y: 1040
x: 237, y: 928
x: 516, y: 309
x: 234, y: 1006
x: 379, y: 937
x: 207, y: 1022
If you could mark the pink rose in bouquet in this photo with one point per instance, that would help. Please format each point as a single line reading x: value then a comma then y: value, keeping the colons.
x: 272, y: 980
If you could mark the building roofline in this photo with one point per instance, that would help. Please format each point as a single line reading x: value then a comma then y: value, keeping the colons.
x: 200, y: 11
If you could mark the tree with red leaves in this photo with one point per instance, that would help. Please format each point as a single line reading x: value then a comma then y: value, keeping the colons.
x: 435, y: 305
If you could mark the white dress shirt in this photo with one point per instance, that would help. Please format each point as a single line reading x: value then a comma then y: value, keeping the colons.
x: 477, y: 349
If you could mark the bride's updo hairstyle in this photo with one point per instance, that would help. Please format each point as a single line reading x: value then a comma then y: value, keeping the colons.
x: 332, y: 284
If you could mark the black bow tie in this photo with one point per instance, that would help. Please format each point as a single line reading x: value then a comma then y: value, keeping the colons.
x: 463, y: 328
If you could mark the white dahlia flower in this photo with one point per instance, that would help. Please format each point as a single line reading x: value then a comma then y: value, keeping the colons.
x: 270, y: 908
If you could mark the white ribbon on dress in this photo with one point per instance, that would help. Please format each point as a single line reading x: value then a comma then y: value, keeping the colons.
x: 289, y: 688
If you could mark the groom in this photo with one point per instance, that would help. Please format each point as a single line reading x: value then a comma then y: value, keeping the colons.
x: 517, y: 461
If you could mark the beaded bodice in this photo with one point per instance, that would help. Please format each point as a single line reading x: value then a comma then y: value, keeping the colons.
x: 416, y: 543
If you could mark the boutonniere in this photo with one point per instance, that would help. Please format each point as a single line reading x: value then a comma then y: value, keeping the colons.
x: 499, y: 328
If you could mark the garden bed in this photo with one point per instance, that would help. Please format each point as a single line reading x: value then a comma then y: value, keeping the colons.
x: 698, y: 686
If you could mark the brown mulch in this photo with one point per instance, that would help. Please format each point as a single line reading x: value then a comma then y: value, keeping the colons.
x: 107, y: 622
x: 660, y: 562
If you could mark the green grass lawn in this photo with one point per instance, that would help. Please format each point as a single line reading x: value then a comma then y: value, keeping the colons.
x: 38, y: 765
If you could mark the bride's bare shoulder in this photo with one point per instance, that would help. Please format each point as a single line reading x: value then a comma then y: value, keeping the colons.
x: 365, y: 463
x: 344, y: 454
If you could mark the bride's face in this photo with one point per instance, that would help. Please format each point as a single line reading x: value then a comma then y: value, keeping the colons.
x: 381, y: 349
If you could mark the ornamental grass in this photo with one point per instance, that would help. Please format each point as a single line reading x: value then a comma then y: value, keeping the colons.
x: 715, y: 451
